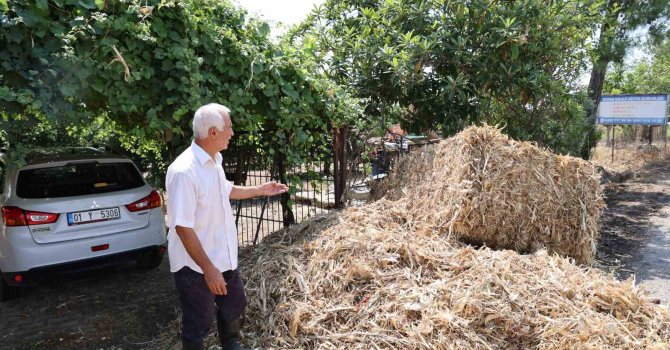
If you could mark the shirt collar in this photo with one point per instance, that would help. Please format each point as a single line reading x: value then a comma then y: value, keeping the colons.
x: 202, y: 156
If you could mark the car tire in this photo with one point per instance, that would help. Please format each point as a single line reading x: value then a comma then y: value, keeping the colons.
x: 149, y: 260
x: 8, y: 292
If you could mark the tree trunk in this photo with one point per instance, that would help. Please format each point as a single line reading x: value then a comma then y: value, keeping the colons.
x: 594, y: 93
x: 287, y: 211
x: 604, y: 51
x: 597, y: 80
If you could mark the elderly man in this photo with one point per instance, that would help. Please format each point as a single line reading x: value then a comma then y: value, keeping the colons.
x: 202, y: 240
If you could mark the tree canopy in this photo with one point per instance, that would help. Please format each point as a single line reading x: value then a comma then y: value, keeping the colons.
x: 651, y: 75
x: 137, y: 69
x: 447, y: 64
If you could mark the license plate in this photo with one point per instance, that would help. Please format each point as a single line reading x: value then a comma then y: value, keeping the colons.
x: 90, y: 216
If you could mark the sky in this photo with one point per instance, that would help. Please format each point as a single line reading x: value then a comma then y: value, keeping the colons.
x: 287, y: 12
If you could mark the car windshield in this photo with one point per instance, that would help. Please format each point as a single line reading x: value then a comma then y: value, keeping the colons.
x: 77, y: 179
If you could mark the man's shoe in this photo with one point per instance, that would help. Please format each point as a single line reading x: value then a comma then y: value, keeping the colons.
x: 191, y: 345
x: 229, y: 334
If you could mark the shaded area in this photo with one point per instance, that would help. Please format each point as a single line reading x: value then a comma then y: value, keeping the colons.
x: 119, y: 306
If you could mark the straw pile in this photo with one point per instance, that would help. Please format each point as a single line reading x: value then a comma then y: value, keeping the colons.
x: 369, y: 281
x: 490, y: 190
x: 378, y: 277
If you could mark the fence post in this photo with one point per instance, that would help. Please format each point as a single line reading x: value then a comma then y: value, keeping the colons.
x: 340, y: 136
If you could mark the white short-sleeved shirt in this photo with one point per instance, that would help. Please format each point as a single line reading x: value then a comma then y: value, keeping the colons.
x: 198, y: 196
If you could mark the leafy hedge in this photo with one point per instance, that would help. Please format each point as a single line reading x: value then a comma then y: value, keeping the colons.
x: 145, y: 66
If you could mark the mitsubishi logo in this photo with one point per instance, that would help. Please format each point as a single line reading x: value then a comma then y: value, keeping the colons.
x: 94, y: 205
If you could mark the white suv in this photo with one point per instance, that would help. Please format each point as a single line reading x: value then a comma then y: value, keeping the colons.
x: 74, y: 208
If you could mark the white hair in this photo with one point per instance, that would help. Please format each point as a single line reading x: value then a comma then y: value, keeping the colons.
x: 207, y: 116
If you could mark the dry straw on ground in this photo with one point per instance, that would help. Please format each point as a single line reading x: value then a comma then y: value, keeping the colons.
x: 628, y: 157
x: 375, y: 277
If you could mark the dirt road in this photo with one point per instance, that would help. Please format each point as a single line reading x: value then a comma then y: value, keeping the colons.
x: 635, y: 234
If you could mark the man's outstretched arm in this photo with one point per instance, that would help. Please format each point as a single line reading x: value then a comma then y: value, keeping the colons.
x: 267, y: 189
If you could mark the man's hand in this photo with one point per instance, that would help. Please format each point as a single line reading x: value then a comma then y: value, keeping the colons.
x: 272, y: 188
x: 215, y: 281
x: 267, y: 189
x: 213, y: 277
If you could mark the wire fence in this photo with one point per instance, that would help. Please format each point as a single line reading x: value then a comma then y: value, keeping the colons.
x: 248, y: 162
x: 347, y: 163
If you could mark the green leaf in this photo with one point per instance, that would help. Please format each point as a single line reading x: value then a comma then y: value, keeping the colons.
x: 88, y: 4
x: 66, y: 90
x: 290, y: 91
x: 257, y: 67
x: 300, y: 136
x: 25, y: 96
x: 515, y: 52
x: 264, y: 29
x: 98, y: 86
x: 100, y: 4
x: 170, y: 84
x: 6, y: 94
x: 42, y: 5
x: 158, y: 26
x: 3, y: 6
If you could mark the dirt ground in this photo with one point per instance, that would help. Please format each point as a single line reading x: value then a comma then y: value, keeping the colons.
x: 117, y: 307
x: 123, y: 307
x: 635, y: 234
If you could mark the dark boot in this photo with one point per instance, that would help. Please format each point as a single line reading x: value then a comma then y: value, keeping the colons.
x: 229, y: 334
x: 191, y: 345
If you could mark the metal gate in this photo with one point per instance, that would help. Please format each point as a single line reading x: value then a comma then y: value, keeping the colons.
x: 319, y: 185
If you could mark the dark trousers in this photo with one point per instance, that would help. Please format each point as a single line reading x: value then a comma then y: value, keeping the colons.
x: 199, y: 306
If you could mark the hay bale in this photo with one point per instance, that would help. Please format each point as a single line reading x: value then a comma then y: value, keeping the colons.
x: 488, y: 189
x: 374, y: 281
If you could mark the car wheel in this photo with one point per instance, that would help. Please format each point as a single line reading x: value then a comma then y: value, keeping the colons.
x: 149, y: 260
x: 8, y: 292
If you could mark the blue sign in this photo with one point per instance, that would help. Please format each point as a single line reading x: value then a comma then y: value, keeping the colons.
x: 650, y: 109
